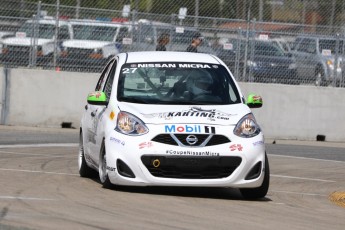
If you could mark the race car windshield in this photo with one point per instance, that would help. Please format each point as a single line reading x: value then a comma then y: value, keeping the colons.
x: 177, y: 83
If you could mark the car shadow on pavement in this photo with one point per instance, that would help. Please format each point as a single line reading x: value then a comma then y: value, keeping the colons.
x: 196, y: 192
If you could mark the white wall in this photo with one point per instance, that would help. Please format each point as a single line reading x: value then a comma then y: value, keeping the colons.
x: 48, y: 98
x: 300, y: 112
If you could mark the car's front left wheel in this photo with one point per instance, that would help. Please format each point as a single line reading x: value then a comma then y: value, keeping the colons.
x: 102, y: 168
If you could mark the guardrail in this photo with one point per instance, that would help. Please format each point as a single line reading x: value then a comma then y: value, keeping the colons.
x: 255, y: 50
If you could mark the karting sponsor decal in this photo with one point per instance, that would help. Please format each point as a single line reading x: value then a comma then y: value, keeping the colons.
x: 258, y: 143
x: 192, y: 153
x: 189, y: 129
x: 235, y: 147
x: 113, y: 139
x: 211, y: 114
x: 147, y: 144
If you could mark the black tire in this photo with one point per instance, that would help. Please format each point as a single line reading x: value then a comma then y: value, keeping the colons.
x: 102, y: 169
x: 259, y: 192
x: 84, y: 169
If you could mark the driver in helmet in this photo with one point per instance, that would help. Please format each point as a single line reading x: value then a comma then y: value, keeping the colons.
x: 200, y: 84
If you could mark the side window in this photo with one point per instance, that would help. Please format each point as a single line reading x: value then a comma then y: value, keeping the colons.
x: 123, y: 32
x: 63, y: 33
x: 295, y: 44
x: 109, y: 83
x: 102, y: 78
x: 307, y: 46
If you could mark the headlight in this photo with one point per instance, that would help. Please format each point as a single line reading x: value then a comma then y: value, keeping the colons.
x: 130, y: 125
x: 97, y: 51
x: 251, y: 63
x: 96, y: 54
x: 247, y: 127
x: 330, y: 64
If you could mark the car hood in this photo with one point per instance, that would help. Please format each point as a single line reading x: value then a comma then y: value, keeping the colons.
x: 180, y: 114
x: 25, y: 41
x: 85, y: 44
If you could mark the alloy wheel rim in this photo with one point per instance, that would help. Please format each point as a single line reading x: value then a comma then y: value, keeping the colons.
x: 102, y: 170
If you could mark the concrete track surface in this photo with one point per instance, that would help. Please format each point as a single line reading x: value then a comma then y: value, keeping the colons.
x: 40, y: 189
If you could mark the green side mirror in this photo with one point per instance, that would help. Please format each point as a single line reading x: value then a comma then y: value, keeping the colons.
x: 254, y: 101
x: 97, y: 98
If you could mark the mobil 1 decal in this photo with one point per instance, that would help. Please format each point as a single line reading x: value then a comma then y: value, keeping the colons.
x: 209, y: 114
x: 189, y: 129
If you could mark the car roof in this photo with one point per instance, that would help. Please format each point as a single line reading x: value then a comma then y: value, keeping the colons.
x: 94, y: 23
x: 170, y: 56
x: 320, y: 37
x: 48, y: 21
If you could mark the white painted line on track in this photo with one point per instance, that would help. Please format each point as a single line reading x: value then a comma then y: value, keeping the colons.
x: 33, y: 171
x: 299, y: 193
x: 32, y: 154
x: 302, y: 178
x: 40, y: 145
x: 306, y: 158
x: 25, y: 198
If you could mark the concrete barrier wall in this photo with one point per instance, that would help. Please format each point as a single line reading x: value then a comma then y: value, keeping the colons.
x: 300, y: 112
x: 48, y: 98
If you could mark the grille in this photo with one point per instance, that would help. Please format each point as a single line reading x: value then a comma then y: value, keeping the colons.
x: 19, y: 49
x: 169, y: 140
x: 182, y: 138
x: 182, y: 167
x: 79, y: 52
x: 165, y: 139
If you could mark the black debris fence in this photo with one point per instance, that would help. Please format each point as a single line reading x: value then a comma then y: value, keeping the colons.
x: 277, y: 41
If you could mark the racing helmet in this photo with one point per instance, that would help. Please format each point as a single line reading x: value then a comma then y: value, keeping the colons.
x: 200, y: 82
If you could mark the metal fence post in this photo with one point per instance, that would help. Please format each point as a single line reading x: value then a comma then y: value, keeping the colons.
x: 34, y: 39
x: 56, y: 33
x: 237, y: 55
x: 5, y: 96
x: 252, y: 53
x: 336, y: 61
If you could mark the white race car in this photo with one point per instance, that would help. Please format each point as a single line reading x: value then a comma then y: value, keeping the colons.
x: 172, y: 119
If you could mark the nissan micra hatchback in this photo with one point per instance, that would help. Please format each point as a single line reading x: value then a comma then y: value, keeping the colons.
x: 172, y: 119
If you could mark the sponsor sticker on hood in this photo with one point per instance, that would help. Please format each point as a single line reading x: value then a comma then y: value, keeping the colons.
x: 211, y: 114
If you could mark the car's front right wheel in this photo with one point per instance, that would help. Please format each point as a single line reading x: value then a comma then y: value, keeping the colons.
x: 259, y: 192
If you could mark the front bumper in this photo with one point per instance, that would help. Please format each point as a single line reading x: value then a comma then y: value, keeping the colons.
x: 23, y: 59
x: 156, y: 164
x: 275, y: 74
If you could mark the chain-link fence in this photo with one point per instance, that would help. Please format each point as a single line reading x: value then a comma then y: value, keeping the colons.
x: 277, y: 41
